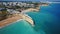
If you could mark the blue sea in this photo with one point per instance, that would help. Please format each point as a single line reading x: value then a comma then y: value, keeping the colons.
x: 47, y: 21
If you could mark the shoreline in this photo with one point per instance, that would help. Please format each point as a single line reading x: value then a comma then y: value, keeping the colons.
x: 30, y: 10
x: 16, y: 18
x: 11, y: 23
x: 8, y: 21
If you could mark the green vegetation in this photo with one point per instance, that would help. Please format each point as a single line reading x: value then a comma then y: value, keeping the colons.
x: 3, y: 14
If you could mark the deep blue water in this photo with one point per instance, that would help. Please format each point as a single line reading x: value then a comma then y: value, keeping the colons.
x: 47, y: 21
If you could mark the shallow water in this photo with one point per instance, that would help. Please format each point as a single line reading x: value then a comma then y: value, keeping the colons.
x: 47, y: 19
x: 46, y: 22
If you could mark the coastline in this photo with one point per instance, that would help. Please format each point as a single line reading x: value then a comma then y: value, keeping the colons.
x: 17, y: 17
x: 9, y: 20
x: 31, y: 10
x: 10, y: 23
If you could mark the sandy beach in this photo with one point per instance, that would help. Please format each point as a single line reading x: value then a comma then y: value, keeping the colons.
x: 30, y: 10
x: 9, y: 20
x: 15, y: 18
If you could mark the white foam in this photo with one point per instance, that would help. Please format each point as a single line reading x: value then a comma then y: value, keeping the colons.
x: 11, y: 23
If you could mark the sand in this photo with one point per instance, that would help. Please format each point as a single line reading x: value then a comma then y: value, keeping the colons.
x: 15, y: 18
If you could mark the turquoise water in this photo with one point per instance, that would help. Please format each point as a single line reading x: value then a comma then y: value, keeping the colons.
x: 46, y: 22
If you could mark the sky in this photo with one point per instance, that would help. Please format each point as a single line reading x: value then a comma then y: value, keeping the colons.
x: 29, y: 0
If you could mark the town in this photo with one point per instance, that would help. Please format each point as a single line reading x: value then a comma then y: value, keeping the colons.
x: 16, y: 4
x: 13, y: 11
x: 9, y: 8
